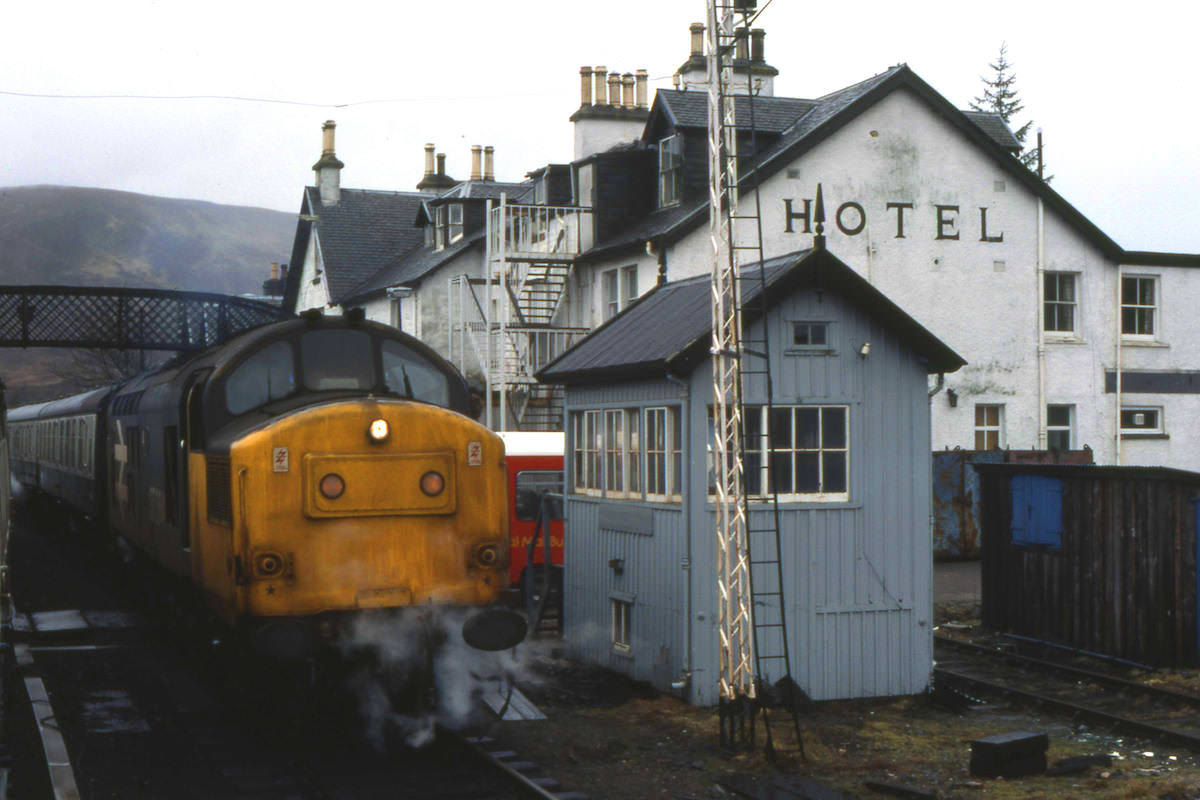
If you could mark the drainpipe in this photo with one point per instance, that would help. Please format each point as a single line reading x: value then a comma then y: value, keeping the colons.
x: 941, y: 382
x: 1117, y: 334
x: 1041, y: 324
x: 685, y: 675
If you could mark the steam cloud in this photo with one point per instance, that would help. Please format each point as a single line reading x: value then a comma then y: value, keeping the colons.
x: 399, y: 645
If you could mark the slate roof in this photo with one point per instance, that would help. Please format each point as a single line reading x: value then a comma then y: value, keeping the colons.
x: 771, y: 114
x: 995, y: 127
x: 364, y: 232
x: 668, y: 329
x: 414, y: 265
x: 830, y: 113
x: 490, y: 190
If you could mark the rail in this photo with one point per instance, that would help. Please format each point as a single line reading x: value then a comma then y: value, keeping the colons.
x: 534, y: 232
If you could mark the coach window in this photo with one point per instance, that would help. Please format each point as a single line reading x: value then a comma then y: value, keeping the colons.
x: 269, y: 374
x: 408, y: 374
x: 337, y: 359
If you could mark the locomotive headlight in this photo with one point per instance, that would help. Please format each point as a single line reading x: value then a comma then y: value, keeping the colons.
x: 332, y: 486
x: 432, y: 483
x: 379, y: 430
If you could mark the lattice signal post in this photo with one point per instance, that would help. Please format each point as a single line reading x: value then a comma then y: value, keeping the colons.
x: 728, y: 232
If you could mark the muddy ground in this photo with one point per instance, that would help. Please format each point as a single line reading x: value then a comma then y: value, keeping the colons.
x: 616, y: 740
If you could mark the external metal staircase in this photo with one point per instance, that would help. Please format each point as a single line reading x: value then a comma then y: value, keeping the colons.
x: 531, y: 251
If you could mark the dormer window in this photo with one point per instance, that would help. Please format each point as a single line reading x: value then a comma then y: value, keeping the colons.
x: 439, y: 228
x: 455, y: 230
x: 670, y: 171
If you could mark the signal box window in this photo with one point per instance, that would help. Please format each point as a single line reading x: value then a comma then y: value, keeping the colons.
x: 989, y: 427
x: 407, y: 374
x: 337, y: 359
x: 622, y: 612
x: 269, y: 374
x: 810, y: 335
x: 801, y: 453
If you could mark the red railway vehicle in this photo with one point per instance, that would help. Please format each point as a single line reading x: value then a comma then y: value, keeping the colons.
x: 535, y: 467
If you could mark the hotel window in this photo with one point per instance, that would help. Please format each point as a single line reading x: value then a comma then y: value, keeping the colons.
x: 439, y: 228
x: 1059, y: 310
x: 619, y: 288
x: 1141, y: 421
x: 989, y: 427
x: 670, y: 170
x: 1139, y: 302
x: 622, y: 611
x: 1059, y: 426
x: 456, y: 223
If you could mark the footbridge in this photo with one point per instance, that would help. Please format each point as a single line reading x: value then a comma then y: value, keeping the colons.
x: 125, y: 319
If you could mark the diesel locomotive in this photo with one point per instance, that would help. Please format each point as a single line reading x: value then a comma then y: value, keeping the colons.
x: 294, y: 478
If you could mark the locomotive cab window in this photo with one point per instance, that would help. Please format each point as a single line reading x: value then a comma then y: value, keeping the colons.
x: 269, y: 374
x: 337, y: 359
x: 410, y: 375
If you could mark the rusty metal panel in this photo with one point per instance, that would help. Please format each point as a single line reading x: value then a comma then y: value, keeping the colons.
x: 956, y: 501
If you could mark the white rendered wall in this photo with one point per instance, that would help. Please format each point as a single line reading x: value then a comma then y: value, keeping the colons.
x: 313, y: 291
x: 980, y: 297
x: 598, y: 135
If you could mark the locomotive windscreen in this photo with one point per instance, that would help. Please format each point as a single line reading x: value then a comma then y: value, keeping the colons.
x: 408, y: 374
x: 337, y: 359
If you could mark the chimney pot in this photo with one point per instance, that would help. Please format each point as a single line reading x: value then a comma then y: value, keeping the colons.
x: 585, y: 86
x: 274, y: 270
x: 476, y: 172
x: 741, y: 44
x: 599, y: 74
x: 697, y: 39
x: 441, y: 161
x: 327, y: 137
x: 283, y: 268
x: 429, y: 158
x: 614, y: 89
x: 757, y: 35
x: 489, y: 164
x: 627, y: 90
x: 643, y: 79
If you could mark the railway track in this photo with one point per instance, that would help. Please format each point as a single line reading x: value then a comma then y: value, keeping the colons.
x: 1099, y: 697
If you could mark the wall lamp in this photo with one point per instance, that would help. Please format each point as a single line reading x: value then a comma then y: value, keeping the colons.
x: 865, y: 350
x: 952, y: 398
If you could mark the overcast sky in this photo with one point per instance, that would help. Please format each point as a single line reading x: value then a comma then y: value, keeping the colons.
x: 1111, y: 87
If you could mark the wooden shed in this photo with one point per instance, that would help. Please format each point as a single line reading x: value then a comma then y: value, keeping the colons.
x: 845, y: 445
x: 1094, y: 557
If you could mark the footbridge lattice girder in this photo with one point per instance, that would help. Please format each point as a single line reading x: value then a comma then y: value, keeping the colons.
x: 124, y: 318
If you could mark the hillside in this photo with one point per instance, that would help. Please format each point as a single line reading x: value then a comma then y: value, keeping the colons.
x: 98, y: 237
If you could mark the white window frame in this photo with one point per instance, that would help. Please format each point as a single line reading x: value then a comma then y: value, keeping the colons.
x: 454, y: 224
x: 670, y: 170
x: 587, y: 461
x: 616, y: 453
x: 610, y: 293
x: 1152, y: 308
x: 621, y: 629
x: 1057, y: 276
x: 629, y: 285
x: 594, y: 453
x: 1069, y: 428
x: 986, y: 427
x: 764, y: 451
x: 439, y: 228
x: 810, y: 324
x: 669, y: 452
x: 1158, y: 430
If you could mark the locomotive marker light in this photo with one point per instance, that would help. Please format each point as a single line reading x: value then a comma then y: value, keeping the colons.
x: 332, y: 486
x: 432, y: 483
x: 379, y: 430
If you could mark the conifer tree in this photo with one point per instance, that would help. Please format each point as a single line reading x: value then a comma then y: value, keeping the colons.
x: 1000, y: 97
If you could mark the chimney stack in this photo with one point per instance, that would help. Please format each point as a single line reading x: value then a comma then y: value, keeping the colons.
x: 599, y: 74
x: 476, y: 171
x: 627, y: 90
x: 697, y: 39
x: 441, y: 159
x: 328, y: 168
x: 757, y: 35
x: 435, y: 181
x: 643, y: 79
x: 489, y: 170
x: 585, y: 86
x: 614, y: 89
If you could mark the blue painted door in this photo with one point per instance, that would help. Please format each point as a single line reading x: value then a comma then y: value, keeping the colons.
x: 1037, y: 511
